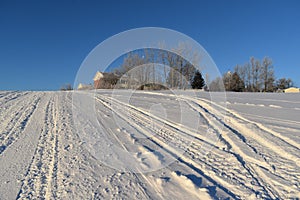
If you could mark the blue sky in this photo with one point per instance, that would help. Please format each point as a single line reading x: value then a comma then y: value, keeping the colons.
x: 43, y: 43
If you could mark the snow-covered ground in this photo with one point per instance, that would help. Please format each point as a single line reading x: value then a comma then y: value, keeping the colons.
x: 149, y: 145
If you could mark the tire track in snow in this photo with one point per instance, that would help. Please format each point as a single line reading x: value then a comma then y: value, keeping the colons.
x: 209, y: 106
x: 17, y: 124
x: 4, y: 95
x: 245, y: 160
x: 55, y: 149
x: 259, y: 126
x: 52, y: 176
x: 38, y: 179
x: 141, y: 122
x: 272, y: 143
x: 254, y: 167
x: 234, y: 124
x: 12, y: 108
x: 140, y: 177
x: 97, y: 181
x: 276, y: 171
x: 147, y: 148
x: 16, y: 159
x: 227, y: 129
x: 10, y: 97
x: 250, y: 163
x: 104, y: 182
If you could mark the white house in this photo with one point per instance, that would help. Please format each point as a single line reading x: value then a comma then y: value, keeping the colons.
x: 292, y: 90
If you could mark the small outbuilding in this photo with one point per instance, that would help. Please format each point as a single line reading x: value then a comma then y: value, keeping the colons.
x: 292, y: 90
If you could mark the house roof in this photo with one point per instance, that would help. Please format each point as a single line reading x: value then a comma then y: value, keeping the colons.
x: 98, y: 76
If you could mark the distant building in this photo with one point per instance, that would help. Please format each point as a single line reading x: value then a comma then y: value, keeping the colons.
x: 82, y: 86
x: 292, y: 90
x: 97, y: 79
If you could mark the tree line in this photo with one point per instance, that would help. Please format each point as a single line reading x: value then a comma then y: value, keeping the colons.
x: 152, y: 68
x: 160, y: 69
x: 254, y: 76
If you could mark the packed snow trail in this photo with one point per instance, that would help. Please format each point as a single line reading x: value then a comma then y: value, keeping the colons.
x: 250, y: 163
x: 44, y: 155
x: 23, y: 138
x: 261, y: 165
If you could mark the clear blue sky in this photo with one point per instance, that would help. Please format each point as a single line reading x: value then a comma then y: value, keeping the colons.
x: 43, y: 43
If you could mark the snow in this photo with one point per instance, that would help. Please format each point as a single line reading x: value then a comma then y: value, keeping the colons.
x: 126, y: 144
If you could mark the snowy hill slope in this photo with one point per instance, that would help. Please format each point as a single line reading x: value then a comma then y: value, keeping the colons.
x: 156, y: 145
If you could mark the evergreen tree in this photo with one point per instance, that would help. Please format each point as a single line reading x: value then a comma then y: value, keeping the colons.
x: 236, y: 83
x: 198, y: 81
x: 233, y: 82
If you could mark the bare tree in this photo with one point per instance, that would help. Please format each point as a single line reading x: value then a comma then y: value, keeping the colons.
x: 257, y: 76
x: 171, y: 63
x: 162, y: 58
x: 216, y: 85
x: 178, y: 65
x: 267, y: 75
x: 66, y: 87
x: 247, y: 77
x: 284, y: 83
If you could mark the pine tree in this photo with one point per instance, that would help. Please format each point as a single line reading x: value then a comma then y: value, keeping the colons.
x: 198, y: 81
x: 237, y: 84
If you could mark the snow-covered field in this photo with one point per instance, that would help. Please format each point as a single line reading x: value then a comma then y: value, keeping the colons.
x: 149, y: 145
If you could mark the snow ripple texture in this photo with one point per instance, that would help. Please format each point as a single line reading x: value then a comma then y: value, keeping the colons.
x: 257, y: 154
